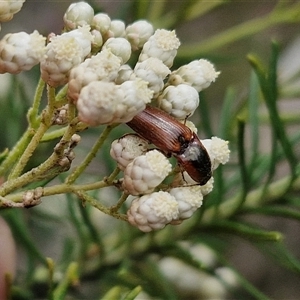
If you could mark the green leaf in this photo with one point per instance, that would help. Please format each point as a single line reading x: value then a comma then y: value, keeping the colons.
x: 245, y: 230
x: 279, y: 210
x: 253, y: 106
x: 252, y: 290
x: 115, y: 293
x: 268, y: 84
x: 22, y: 235
x: 281, y: 255
x: 148, y: 275
x: 242, y: 162
x: 205, y: 116
x: 198, y: 8
x: 70, y: 279
x: 226, y: 120
x: 133, y: 293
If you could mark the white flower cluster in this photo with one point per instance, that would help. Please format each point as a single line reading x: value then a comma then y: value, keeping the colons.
x: 94, y: 56
x: 127, y: 148
x: 63, y: 53
x: 144, y: 171
x: 95, y: 48
x: 8, y: 8
x: 21, y: 51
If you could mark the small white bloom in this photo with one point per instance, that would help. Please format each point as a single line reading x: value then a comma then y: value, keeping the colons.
x: 136, y: 95
x: 179, y: 101
x: 203, y: 253
x: 103, y: 102
x: 101, y: 22
x: 116, y: 29
x: 198, y: 73
x: 228, y: 276
x: 21, y: 51
x: 138, y: 33
x: 213, y: 288
x: 186, y: 180
x: 125, y: 73
x: 97, y: 40
x: 78, y: 14
x: 146, y: 172
x: 217, y: 150
x: 154, y: 71
x: 189, y: 199
x: 187, y: 279
x: 83, y: 37
x: 125, y: 149
x: 190, y: 125
x: 207, y: 187
x: 163, y: 44
x: 97, y: 103
x: 8, y: 8
x: 119, y: 47
x: 153, y: 211
x: 64, y: 52
x: 103, y: 66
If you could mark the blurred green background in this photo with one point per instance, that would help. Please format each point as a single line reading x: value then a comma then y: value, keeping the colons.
x: 54, y: 235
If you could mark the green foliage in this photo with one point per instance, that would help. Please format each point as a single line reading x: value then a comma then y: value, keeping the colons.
x: 98, y: 255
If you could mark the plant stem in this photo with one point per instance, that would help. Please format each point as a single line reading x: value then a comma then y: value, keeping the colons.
x: 16, y: 152
x: 92, y: 201
x: 47, y: 169
x: 63, y: 188
x: 76, y: 173
x: 44, y: 125
x: 32, y: 114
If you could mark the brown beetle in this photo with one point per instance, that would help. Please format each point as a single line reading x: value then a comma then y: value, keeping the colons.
x: 175, y: 138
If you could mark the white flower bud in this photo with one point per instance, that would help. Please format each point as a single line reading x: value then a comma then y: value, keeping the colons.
x: 105, y: 102
x: 138, y: 33
x: 207, y: 187
x: 187, y: 279
x: 202, y: 253
x: 8, y: 8
x: 119, y: 47
x: 78, y: 14
x: 198, y: 73
x: 154, y: 71
x: 97, y: 41
x: 104, y: 66
x: 64, y: 52
x: 218, y: 151
x: 116, y: 29
x: 21, y: 51
x: 184, y: 179
x: 189, y: 199
x: 101, y: 22
x: 179, y: 101
x: 83, y: 37
x: 125, y: 149
x: 97, y: 103
x: 153, y: 211
x: 146, y: 172
x: 136, y: 95
x: 163, y: 44
x: 190, y: 125
x: 125, y: 73
x: 228, y: 276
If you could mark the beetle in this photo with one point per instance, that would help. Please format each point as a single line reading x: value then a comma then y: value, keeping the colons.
x: 174, y: 138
